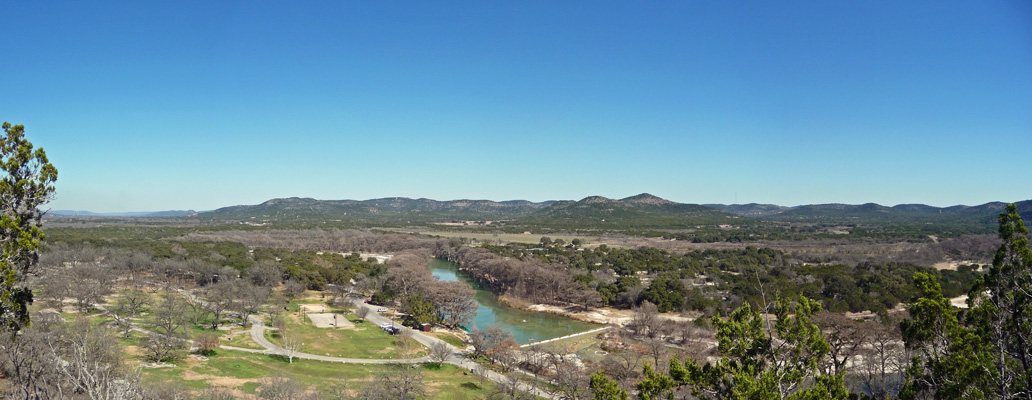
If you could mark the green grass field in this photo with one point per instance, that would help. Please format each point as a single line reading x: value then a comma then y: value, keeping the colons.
x: 365, y: 340
x: 244, y: 371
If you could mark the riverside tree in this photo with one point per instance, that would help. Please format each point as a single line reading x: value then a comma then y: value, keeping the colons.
x: 27, y: 185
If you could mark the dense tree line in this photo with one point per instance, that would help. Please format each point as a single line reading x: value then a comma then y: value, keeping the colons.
x: 707, y: 281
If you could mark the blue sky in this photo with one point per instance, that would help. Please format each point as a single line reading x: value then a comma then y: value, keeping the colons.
x: 199, y: 105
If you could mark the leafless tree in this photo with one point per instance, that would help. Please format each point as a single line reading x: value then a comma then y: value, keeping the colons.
x: 126, y: 308
x: 170, y: 314
x: 884, y: 359
x: 405, y: 280
x: 250, y: 299
x: 28, y: 362
x: 453, y: 300
x: 439, y: 352
x: 283, y: 388
x: 220, y: 299
x: 646, y: 320
x: 398, y: 382
x: 132, y: 300
x: 292, y: 289
x: 361, y: 311
x: 844, y: 336
x: 511, y: 388
x: 338, y: 294
x: 56, y: 287
x: 567, y: 372
x: 292, y: 344
x: 265, y: 273
x: 160, y: 347
x: 657, y: 350
x: 624, y: 367
x: 58, y: 360
x: 88, y: 284
x: 131, y: 264
x: 492, y: 342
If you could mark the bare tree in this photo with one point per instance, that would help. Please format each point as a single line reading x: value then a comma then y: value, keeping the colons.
x: 883, y: 360
x: 646, y: 320
x: 221, y: 298
x: 88, y: 284
x: 399, y: 382
x: 250, y: 299
x: 511, y: 388
x: 292, y: 289
x: 56, y: 287
x: 126, y: 308
x: 159, y: 347
x: 86, y: 358
x: 131, y: 264
x: 568, y: 374
x: 454, y: 302
x: 492, y: 342
x: 28, y: 362
x: 361, y: 311
x: 623, y: 366
x: 292, y: 344
x: 844, y: 336
x: 283, y: 388
x: 657, y: 349
x: 265, y: 273
x: 131, y: 301
x: 439, y: 352
x: 170, y: 315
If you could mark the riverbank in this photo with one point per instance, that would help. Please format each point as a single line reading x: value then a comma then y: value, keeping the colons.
x: 602, y: 315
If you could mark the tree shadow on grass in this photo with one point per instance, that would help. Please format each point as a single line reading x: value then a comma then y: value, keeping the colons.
x: 279, y: 357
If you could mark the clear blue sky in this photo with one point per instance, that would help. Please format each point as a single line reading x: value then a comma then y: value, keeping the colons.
x: 199, y: 105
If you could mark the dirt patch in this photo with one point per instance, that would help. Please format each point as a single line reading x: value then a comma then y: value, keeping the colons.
x: 959, y: 301
x: 225, y: 382
x: 329, y: 320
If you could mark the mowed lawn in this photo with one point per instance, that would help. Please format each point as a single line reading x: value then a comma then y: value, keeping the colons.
x: 365, y: 340
x: 244, y: 372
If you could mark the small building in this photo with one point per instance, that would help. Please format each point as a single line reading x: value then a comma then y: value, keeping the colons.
x: 425, y: 327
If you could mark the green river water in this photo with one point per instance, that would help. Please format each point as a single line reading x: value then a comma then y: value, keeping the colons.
x: 526, y: 326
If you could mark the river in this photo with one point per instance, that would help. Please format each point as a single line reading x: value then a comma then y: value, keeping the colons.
x: 526, y: 326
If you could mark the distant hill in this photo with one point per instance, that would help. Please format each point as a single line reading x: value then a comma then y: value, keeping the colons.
x: 376, y: 210
x: 641, y: 211
x: 871, y: 213
x: 749, y: 210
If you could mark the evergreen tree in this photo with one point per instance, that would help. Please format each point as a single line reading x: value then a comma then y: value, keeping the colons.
x: 989, y: 355
x: 26, y: 186
x: 759, y: 361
